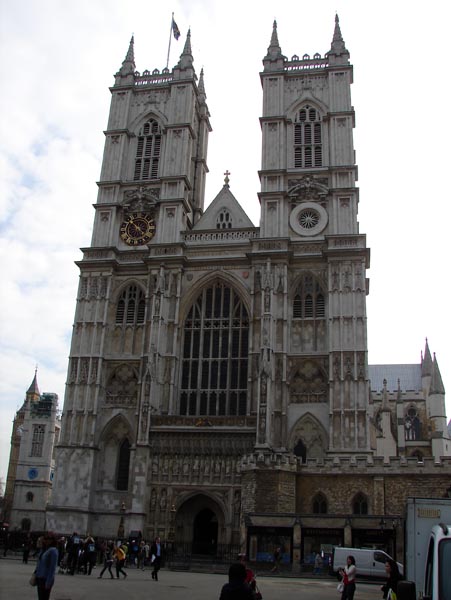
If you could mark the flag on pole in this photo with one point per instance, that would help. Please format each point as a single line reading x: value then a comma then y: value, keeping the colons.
x: 175, y: 29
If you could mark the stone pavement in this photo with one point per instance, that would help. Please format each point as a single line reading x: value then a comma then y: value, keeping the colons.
x: 172, y: 585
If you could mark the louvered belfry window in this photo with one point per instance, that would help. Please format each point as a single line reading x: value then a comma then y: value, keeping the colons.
x: 131, y: 307
x: 308, y: 144
x: 215, y: 354
x: 148, y: 151
x: 309, y: 300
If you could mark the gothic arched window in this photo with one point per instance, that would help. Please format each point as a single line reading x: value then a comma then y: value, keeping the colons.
x: 360, y: 505
x: 309, y: 301
x: 29, y: 497
x: 319, y: 504
x: 308, y: 149
x: 131, y: 306
x: 37, y: 441
x: 215, y: 354
x: 148, y: 151
x: 123, y: 466
x: 412, y: 425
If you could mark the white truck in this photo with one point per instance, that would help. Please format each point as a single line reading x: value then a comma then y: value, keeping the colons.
x: 428, y: 547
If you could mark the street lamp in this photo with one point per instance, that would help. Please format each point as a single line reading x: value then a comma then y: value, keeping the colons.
x: 120, y: 529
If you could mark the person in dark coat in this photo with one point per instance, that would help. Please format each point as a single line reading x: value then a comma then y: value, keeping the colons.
x: 393, y: 576
x: 156, y: 555
x: 237, y: 588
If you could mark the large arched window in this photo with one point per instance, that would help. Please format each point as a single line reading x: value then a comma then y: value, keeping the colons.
x: 215, y: 354
x: 131, y: 306
x: 360, y: 505
x: 309, y: 301
x: 123, y: 466
x: 148, y: 151
x: 308, y: 149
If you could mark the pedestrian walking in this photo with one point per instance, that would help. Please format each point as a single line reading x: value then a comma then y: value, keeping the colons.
x: 26, y: 547
x: 390, y: 588
x: 119, y: 555
x: 90, y: 555
x: 348, y: 574
x: 46, y: 567
x: 107, y: 559
x: 156, y: 552
x: 277, y: 556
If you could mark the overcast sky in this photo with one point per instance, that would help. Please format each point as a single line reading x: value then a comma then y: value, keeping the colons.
x: 58, y: 59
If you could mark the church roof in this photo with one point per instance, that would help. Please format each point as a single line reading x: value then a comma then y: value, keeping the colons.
x: 409, y: 377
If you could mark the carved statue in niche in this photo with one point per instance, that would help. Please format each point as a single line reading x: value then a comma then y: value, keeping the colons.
x: 262, y: 425
x: 153, y: 499
x: 163, y: 499
x: 258, y: 280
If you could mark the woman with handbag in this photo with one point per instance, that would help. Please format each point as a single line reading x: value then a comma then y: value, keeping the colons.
x: 390, y: 589
x: 46, y: 568
x: 348, y: 574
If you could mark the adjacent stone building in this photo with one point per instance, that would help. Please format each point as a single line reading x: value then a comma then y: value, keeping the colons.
x: 35, y: 432
x: 218, y: 386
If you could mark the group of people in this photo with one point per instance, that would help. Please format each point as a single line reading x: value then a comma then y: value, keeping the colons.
x: 79, y: 553
x: 349, y: 572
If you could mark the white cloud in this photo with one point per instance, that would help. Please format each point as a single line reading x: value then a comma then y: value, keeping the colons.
x: 57, y: 61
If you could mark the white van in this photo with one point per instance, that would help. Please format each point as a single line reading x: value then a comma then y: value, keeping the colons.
x: 369, y: 563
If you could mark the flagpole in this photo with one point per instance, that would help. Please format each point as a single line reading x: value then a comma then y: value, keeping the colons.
x: 170, y: 37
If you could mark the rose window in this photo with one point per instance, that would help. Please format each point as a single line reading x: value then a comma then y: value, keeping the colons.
x: 308, y: 219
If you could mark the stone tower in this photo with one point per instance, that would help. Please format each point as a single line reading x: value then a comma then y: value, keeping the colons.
x: 31, y: 466
x: 313, y: 320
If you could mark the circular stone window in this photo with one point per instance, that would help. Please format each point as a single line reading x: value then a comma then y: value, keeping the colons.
x: 308, y: 219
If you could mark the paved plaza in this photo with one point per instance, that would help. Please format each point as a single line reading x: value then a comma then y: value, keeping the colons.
x: 173, y: 585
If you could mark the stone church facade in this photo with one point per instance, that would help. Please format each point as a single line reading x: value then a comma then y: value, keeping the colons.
x: 218, y: 386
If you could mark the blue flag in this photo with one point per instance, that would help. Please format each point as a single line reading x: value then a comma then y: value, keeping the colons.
x: 175, y: 29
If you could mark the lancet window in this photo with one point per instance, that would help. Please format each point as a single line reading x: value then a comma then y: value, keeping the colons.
x: 131, y: 307
x: 37, y: 441
x: 123, y: 466
x: 308, y: 142
x: 215, y: 354
x: 148, y: 151
x: 309, y: 301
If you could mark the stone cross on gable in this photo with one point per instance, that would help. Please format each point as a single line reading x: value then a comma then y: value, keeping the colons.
x: 226, y: 178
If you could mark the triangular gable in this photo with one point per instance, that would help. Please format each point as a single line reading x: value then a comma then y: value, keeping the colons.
x: 225, y: 201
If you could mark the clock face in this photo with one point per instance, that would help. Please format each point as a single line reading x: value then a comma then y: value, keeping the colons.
x: 32, y: 473
x: 138, y: 229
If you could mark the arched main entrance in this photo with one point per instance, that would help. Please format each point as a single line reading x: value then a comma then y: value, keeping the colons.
x: 205, y: 532
x: 200, y: 525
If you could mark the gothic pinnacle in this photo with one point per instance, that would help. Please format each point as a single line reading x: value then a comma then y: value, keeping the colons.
x: 274, y: 49
x: 338, y: 46
x: 128, y: 65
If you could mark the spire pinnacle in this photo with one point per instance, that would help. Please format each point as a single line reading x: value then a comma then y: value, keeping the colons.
x: 426, y: 364
x: 338, y: 47
x: 274, y: 58
x: 274, y: 49
x: 33, y: 390
x: 201, y: 85
x: 128, y: 65
x: 186, y: 57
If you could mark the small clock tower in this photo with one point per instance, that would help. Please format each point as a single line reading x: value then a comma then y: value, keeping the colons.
x: 31, y: 468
